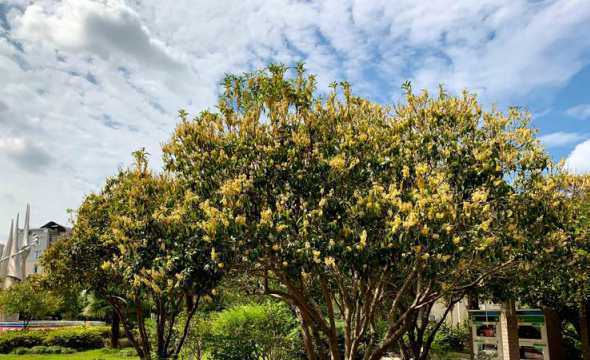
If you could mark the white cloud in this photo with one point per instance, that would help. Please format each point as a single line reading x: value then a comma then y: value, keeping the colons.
x: 560, y: 138
x: 501, y: 49
x: 87, y: 82
x: 29, y: 156
x: 107, y: 28
x: 578, y: 161
x: 581, y: 111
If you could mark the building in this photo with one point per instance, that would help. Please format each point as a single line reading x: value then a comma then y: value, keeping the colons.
x: 46, y: 235
x: 21, y: 253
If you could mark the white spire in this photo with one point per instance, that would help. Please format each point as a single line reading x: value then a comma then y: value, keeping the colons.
x: 26, y: 250
x: 6, y: 251
x: 26, y: 230
x: 14, y: 268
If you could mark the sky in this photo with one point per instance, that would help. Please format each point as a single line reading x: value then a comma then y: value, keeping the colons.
x: 84, y: 83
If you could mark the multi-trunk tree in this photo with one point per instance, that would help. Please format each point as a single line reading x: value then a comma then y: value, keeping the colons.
x: 358, y: 213
x: 138, y: 245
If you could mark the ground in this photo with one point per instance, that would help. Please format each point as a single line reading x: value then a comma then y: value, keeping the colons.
x: 109, y: 354
x: 100, y: 354
x: 443, y: 356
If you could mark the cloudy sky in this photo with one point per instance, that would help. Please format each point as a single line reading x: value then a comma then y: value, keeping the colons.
x: 83, y: 83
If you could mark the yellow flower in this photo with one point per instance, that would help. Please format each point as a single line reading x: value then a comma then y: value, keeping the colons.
x: 421, y: 169
x: 240, y: 220
x: 405, y: 171
x: 330, y: 261
x: 266, y: 216
x: 285, y: 264
x: 276, y: 247
x: 479, y: 196
x: 425, y: 230
x: 220, y: 265
x: 363, y: 238
x: 337, y: 163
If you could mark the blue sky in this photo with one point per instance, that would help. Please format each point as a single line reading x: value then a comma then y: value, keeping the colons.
x: 86, y: 82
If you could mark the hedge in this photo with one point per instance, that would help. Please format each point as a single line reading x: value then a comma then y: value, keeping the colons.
x: 43, y: 350
x: 79, y: 338
x: 10, y: 340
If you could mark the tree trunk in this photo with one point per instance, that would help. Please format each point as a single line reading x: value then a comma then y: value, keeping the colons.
x: 509, y: 329
x: 334, y: 350
x: 115, y: 331
x: 554, y: 338
x: 585, y: 330
x: 306, y: 335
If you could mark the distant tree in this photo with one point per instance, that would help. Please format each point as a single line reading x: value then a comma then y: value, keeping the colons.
x: 355, y: 212
x: 29, y: 300
x: 137, y: 245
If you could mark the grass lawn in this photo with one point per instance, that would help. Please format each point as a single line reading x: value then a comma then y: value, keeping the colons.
x: 450, y: 356
x: 109, y: 354
x: 100, y: 354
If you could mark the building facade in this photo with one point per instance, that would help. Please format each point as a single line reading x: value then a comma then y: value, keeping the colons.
x: 21, y: 252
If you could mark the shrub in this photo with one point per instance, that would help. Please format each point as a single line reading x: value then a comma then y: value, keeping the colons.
x: 571, y: 342
x: 21, y: 351
x: 60, y: 350
x: 252, y: 332
x: 43, y: 350
x: 39, y: 350
x: 79, y: 338
x: 11, y: 340
x: 76, y: 338
x: 449, y: 338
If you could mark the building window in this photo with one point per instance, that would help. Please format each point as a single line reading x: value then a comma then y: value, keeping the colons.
x: 35, y: 269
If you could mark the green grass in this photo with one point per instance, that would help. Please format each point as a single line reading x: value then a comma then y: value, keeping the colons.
x: 100, y: 354
x: 449, y: 356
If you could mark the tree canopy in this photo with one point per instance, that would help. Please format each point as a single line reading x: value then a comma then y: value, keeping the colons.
x: 29, y: 300
x: 137, y: 244
x: 347, y: 209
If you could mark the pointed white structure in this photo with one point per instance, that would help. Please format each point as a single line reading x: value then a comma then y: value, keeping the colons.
x: 6, y: 257
x: 13, y: 265
x: 6, y: 253
x: 16, y: 262
x: 26, y: 241
x: 26, y: 249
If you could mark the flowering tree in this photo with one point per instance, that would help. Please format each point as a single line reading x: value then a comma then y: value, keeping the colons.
x: 352, y: 211
x: 558, y: 277
x: 137, y: 244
